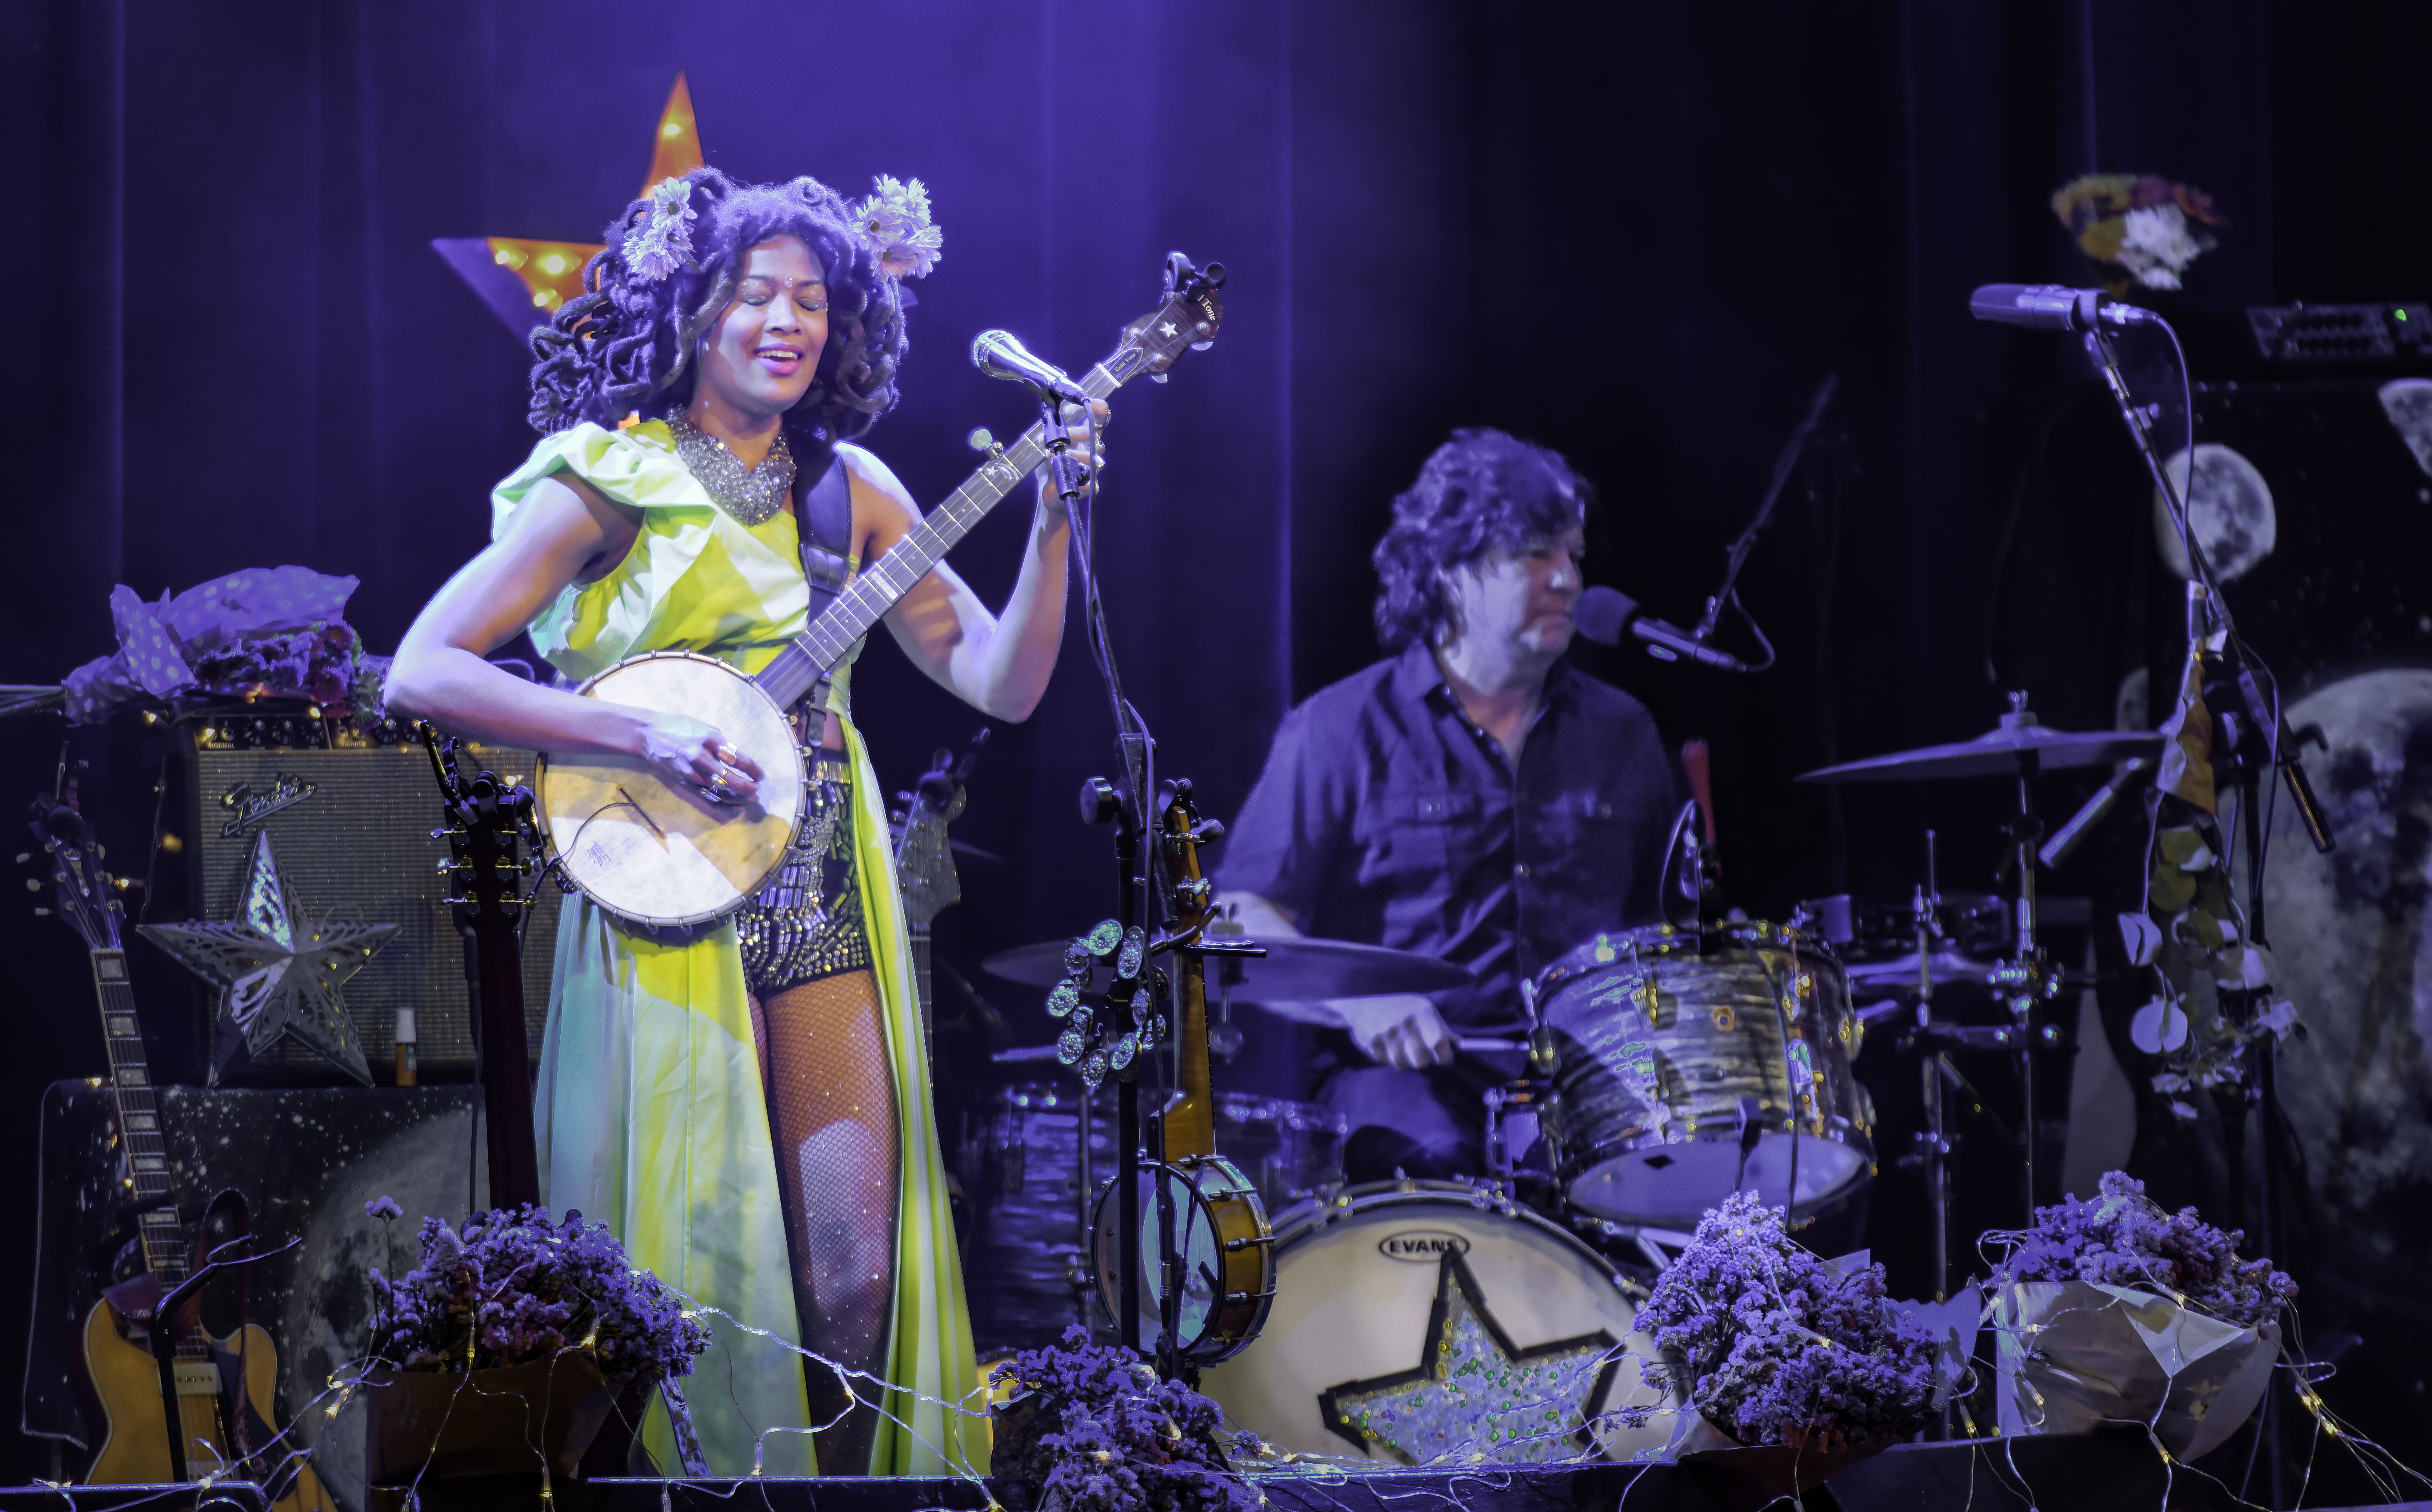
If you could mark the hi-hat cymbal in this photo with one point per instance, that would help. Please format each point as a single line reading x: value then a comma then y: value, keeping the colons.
x: 1897, y: 977
x: 1292, y: 971
x: 1993, y: 755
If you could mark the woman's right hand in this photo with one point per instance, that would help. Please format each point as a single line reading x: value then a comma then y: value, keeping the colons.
x: 689, y: 753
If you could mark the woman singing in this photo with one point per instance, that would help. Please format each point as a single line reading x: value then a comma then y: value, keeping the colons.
x: 746, y: 1107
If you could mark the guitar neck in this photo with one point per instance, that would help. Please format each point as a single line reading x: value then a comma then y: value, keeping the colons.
x: 139, y: 1119
x: 800, y: 666
x: 1191, y: 1122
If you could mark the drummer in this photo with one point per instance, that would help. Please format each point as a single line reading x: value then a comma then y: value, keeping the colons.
x: 1472, y: 797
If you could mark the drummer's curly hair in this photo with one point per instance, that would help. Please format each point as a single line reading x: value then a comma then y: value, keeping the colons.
x: 1482, y: 491
x: 627, y: 343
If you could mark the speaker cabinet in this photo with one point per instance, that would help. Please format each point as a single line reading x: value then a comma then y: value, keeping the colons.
x: 349, y: 814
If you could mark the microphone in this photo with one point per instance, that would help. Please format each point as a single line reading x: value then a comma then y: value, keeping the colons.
x: 997, y: 354
x: 2049, y: 307
x: 1604, y: 615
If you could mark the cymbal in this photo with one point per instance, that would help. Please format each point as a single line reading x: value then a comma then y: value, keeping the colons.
x: 1897, y: 977
x: 1993, y: 755
x: 1292, y: 971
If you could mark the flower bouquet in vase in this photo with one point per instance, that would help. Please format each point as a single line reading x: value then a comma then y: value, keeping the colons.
x: 1791, y: 1366
x: 2113, y: 1311
x: 505, y: 1350
x: 1095, y: 1430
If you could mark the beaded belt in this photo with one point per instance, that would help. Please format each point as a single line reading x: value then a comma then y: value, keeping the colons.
x: 807, y: 924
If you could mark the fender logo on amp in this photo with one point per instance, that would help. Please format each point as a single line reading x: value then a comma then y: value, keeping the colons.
x: 1421, y: 1246
x: 247, y: 807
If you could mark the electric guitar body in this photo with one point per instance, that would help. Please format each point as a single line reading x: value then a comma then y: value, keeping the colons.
x: 135, y: 1438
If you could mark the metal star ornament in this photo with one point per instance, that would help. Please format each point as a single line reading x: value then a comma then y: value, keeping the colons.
x: 278, y: 969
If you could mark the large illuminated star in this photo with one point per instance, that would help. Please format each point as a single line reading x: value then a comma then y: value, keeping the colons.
x: 524, y: 280
x: 1473, y: 1393
x: 278, y: 970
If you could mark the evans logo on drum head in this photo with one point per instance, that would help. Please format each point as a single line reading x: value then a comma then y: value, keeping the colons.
x: 1421, y: 1246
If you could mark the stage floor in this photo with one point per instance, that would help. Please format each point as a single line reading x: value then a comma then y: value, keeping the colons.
x: 2090, y: 1473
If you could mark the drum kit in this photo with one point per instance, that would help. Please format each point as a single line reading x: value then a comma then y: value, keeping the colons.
x: 1667, y: 1067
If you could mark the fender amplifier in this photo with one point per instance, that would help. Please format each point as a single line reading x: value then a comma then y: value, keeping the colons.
x: 350, y: 810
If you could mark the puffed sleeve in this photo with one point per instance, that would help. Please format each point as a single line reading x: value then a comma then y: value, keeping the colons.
x: 637, y: 467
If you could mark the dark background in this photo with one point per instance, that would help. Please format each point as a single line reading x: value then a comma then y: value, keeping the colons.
x: 1639, y: 233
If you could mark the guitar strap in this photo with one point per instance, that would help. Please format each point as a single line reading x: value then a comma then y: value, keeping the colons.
x: 824, y: 522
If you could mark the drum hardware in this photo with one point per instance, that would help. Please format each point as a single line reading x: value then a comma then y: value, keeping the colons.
x: 1224, y: 1036
x: 1256, y: 970
x: 2020, y: 749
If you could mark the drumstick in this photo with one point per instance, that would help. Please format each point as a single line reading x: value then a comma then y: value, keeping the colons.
x: 1701, y: 783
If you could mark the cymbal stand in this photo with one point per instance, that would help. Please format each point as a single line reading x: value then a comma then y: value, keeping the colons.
x: 2025, y: 980
x: 1935, y: 1143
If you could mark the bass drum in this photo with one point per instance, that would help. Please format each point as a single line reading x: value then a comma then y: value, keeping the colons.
x: 1415, y: 1321
x: 1692, y: 1062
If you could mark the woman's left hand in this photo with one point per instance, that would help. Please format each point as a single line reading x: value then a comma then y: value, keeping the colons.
x: 1091, y: 460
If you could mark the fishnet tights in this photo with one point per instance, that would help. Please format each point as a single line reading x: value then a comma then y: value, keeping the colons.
x: 832, y: 1115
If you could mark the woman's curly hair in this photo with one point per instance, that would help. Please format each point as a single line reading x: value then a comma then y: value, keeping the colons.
x: 627, y: 343
x: 1484, y: 491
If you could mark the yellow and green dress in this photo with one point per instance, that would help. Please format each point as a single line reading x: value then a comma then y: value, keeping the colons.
x: 650, y: 1111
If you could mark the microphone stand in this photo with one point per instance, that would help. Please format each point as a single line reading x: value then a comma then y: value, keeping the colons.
x: 1747, y: 542
x: 1139, y: 1145
x: 2209, y: 612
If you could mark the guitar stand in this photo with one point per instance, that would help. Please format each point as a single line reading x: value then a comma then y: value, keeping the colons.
x: 160, y: 1332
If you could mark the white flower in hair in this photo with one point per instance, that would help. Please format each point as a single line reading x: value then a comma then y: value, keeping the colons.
x: 664, y: 242
x: 894, y: 223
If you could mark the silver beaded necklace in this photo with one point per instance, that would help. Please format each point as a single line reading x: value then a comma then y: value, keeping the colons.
x: 751, y: 495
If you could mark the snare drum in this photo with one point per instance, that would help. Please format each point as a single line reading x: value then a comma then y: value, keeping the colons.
x: 1418, y: 1319
x: 1681, y: 1054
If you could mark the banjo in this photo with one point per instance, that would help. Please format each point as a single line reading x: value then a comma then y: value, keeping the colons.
x: 663, y: 854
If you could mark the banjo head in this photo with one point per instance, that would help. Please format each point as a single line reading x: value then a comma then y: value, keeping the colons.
x: 657, y: 853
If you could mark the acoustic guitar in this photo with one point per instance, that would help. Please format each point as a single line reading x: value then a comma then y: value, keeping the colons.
x: 666, y: 856
x: 224, y: 1387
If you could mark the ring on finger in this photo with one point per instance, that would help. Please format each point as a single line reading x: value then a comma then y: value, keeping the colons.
x: 718, y: 782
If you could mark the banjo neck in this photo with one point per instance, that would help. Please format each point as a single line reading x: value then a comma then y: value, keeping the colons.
x: 803, y: 667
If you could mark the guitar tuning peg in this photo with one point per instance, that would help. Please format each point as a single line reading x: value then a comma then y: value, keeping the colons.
x: 24, y: 856
x: 33, y: 885
x: 42, y: 913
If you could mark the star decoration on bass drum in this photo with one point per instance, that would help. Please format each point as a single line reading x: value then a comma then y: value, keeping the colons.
x: 1474, y: 1391
x: 277, y: 970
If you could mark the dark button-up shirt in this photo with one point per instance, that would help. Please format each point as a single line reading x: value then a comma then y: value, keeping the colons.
x: 1387, y: 817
